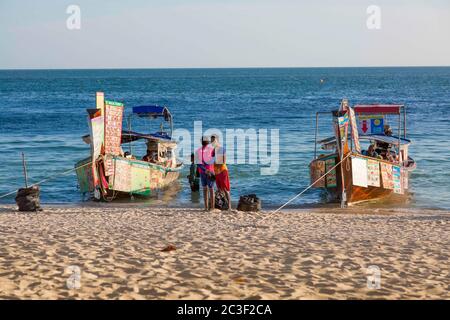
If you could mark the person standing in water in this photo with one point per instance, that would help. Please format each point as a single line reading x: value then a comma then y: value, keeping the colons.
x: 221, y: 169
x: 204, y: 158
x: 194, y: 175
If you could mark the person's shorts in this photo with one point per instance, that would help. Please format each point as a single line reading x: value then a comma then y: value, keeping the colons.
x: 223, y: 181
x: 206, y: 182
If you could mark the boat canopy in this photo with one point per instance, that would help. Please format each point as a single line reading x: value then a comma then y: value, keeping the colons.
x: 153, y: 111
x: 386, y: 139
x: 129, y: 136
x: 378, y: 108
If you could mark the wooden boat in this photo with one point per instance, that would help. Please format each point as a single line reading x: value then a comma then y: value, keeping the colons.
x: 110, y: 172
x: 351, y: 173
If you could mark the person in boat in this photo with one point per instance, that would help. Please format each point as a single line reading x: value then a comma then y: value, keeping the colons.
x: 391, y: 156
x: 151, y: 156
x: 383, y: 147
x: 221, y: 169
x: 194, y: 175
x: 387, y: 130
x: 370, y: 152
x: 128, y: 155
x: 204, y: 158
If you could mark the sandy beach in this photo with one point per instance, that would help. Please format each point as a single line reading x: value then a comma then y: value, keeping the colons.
x: 102, y: 252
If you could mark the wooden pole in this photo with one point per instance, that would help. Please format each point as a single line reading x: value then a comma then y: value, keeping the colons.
x: 404, y: 122
x: 343, y: 194
x: 315, y: 135
x: 24, y: 165
x: 129, y: 134
x: 399, y: 132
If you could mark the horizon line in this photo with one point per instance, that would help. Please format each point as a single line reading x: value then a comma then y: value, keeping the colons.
x: 201, y: 68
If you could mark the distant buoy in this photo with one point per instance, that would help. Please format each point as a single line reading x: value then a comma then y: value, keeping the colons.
x: 322, y: 80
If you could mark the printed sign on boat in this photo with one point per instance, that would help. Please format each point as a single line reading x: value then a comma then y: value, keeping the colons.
x: 373, y: 124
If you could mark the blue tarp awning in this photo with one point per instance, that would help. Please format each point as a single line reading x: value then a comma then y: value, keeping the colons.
x: 128, y: 136
x: 154, y: 111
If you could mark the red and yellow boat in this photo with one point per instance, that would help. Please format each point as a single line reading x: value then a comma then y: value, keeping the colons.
x: 364, y: 160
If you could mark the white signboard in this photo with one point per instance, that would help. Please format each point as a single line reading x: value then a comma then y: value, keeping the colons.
x: 359, y: 172
x: 97, y: 131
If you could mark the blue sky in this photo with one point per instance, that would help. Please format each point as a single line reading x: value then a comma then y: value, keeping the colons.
x: 214, y: 33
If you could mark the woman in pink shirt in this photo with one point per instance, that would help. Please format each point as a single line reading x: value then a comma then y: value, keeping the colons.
x: 204, y: 158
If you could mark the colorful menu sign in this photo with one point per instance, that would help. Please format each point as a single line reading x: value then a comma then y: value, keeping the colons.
x: 386, y: 176
x: 397, y: 179
x: 373, y: 173
x: 331, y: 176
x: 113, y: 127
x: 317, y: 170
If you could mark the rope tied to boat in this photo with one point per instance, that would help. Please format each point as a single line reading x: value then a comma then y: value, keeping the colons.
x: 49, y: 178
x: 304, y: 190
x: 166, y: 170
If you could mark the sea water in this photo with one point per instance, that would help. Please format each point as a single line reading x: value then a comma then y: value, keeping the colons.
x: 43, y: 115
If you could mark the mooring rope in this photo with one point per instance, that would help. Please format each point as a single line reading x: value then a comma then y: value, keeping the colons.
x: 304, y: 190
x: 48, y: 178
x: 265, y: 217
x: 81, y: 166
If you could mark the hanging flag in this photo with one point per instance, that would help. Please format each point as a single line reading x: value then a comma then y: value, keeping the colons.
x: 373, y: 173
x: 95, y: 122
x: 386, y: 175
x: 355, y: 135
x: 97, y: 132
x: 343, y: 129
x: 359, y: 172
x: 337, y: 135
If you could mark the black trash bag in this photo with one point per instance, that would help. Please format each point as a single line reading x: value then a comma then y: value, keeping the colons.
x: 28, y: 199
x: 249, y: 202
x: 221, y: 201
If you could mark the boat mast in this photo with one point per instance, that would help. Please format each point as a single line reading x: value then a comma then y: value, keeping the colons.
x: 399, y: 131
x: 24, y: 165
x: 404, y: 122
x: 315, y: 135
x: 129, y: 133
x: 343, y: 109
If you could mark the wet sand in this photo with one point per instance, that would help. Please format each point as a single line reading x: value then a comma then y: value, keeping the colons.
x: 102, y: 252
